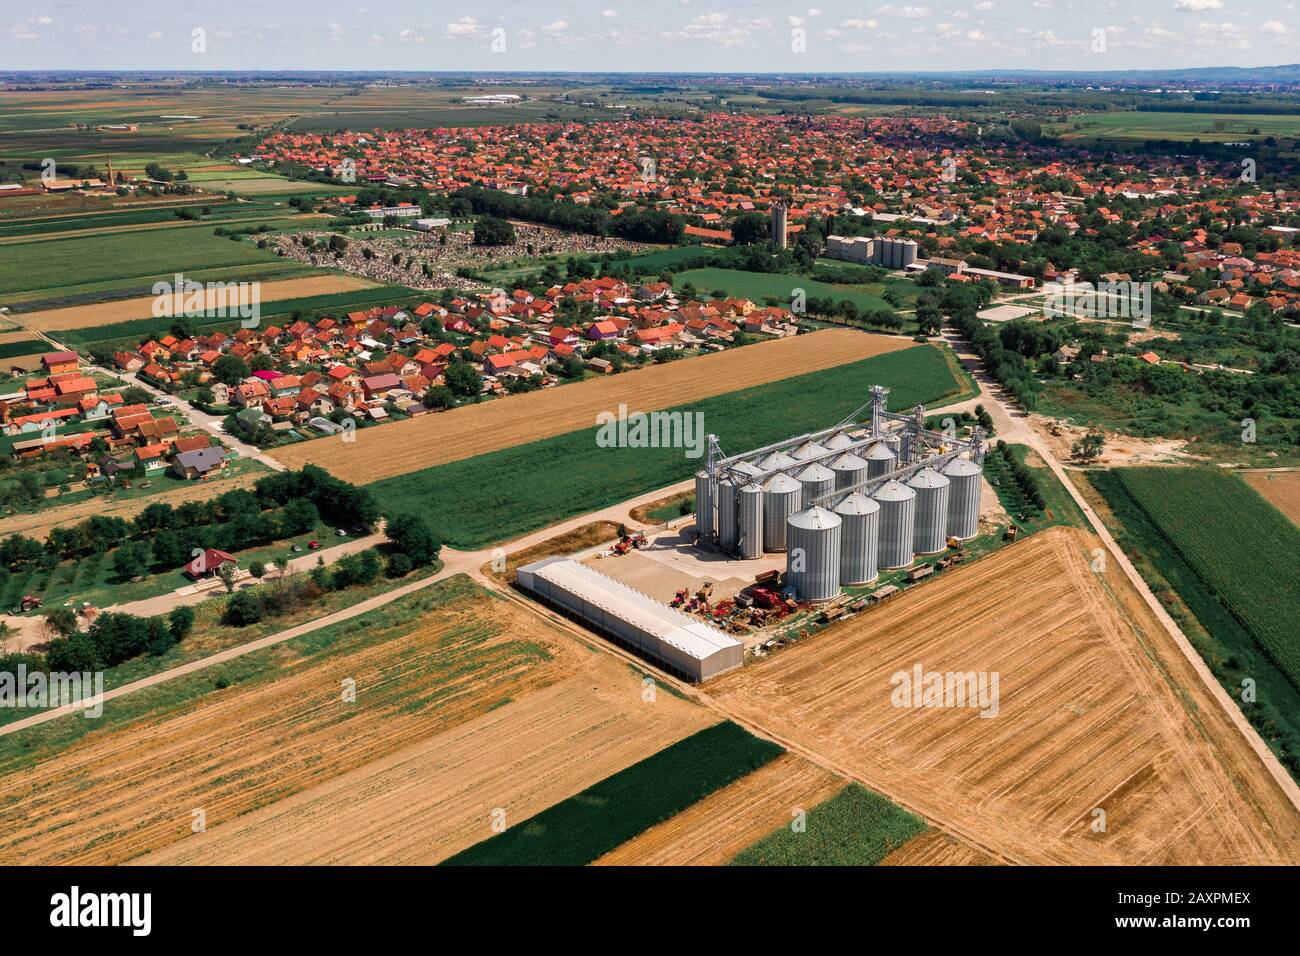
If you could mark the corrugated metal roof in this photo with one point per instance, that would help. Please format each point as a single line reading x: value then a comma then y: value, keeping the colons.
x: 692, y: 637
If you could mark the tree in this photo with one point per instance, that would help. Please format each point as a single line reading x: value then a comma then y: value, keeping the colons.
x: 463, y: 379
x: 749, y: 229
x: 230, y: 369
x: 244, y: 609
x: 180, y: 622
x: 491, y: 231
x: 1089, y: 447
x: 256, y: 569
x: 227, y: 572
x: 399, y: 566
x: 61, y: 621
x: 412, y: 536
x: 130, y: 561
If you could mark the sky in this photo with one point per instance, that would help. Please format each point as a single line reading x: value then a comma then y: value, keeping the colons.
x: 647, y: 36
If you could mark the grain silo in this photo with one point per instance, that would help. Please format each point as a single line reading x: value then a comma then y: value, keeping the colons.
x: 748, y: 469
x: 750, y: 512
x: 897, y: 517
x: 931, y: 534
x: 963, y: 498
x: 817, y: 480
x: 705, y: 519
x: 859, y: 538
x: 782, y: 497
x: 726, y: 513
x: 809, y: 449
x: 880, y: 460
x: 813, y: 558
x: 838, y: 442
x: 778, y: 461
x: 849, y: 469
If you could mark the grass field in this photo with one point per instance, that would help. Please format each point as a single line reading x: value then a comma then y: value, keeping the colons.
x: 509, y: 492
x: 131, y: 260
x: 1207, y: 127
x: 1238, y: 545
x: 853, y: 828
x: 22, y: 347
x: 581, y: 829
x: 760, y: 286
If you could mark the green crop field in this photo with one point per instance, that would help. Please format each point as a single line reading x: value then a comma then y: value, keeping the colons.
x: 497, y: 496
x: 588, y: 825
x: 760, y: 286
x: 1241, y: 547
x: 856, y: 827
x: 22, y: 347
x: 132, y: 259
x: 1208, y: 127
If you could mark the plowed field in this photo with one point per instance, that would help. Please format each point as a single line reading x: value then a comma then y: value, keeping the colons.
x: 1281, y: 488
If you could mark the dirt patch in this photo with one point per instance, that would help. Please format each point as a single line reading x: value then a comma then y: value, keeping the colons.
x: 482, y: 705
x: 1097, y: 710
x: 418, y: 443
x: 1281, y: 488
x: 125, y: 310
x: 713, y: 831
x: 1120, y: 450
x: 579, y: 539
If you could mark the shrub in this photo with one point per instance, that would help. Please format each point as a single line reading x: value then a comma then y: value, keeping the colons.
x: 244, y: 609
x: 399, y: 566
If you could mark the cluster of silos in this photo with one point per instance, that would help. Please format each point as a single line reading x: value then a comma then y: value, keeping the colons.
x: 894, y: 253
x: 812, y: 565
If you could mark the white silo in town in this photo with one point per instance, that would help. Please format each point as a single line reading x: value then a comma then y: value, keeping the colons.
x: 963, y: 498
x: 812, y: 560
x: 859, y: 538
x: 897, y: 517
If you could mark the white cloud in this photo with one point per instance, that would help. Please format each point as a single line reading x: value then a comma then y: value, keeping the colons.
x: 556, y: 28
x: 464, y: 27
x: 1196, y: 6
x: 609, y: 14
x: 1273, y: 26
x: 906, y: 13
x: 984, y: 6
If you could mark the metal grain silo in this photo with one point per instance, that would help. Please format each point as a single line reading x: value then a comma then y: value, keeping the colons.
x: 817, y: 480
x: 859, y: 538
x: 809, y: 449
x: 897, y: 517
x: 778, y: 461
x: 705, y: 518
x: 931, y: 526
x: 750, y: 509
x: 880, y: 459
x: 849, y: 469
x: 838, y: 441
x: 727, y: 532
x: 813, y: 559
x: 782, y: 497
x: 963, y: 498
x: 748, y: 469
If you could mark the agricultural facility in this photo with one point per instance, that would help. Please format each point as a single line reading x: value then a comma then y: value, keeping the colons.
x: 844, y: 502
x: 837, y: 505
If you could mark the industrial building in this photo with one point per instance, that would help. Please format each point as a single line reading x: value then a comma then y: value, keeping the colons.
x: 844, y: 502
x: 675, y: 641
x: 780, y: 239
x: 886, y: 251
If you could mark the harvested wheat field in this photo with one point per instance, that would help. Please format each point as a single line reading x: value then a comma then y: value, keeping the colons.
x: 481, y: 704
x: 714, y: 830
x: 1281, y: 488
x: 1098, y: 710
x: 141, y: 307
x: 935, y: 848
x: 401, y: 447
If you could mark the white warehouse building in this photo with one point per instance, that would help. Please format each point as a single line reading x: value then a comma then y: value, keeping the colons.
x: 675, y: 641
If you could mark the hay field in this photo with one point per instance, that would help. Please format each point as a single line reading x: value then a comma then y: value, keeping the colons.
x: 935, y: 848
x: 711, y: 832
x: 1280, y: 488
x: 125, y: 310
x: 418, y: 443
x: 1098, y: 710
x: 478, y: 704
